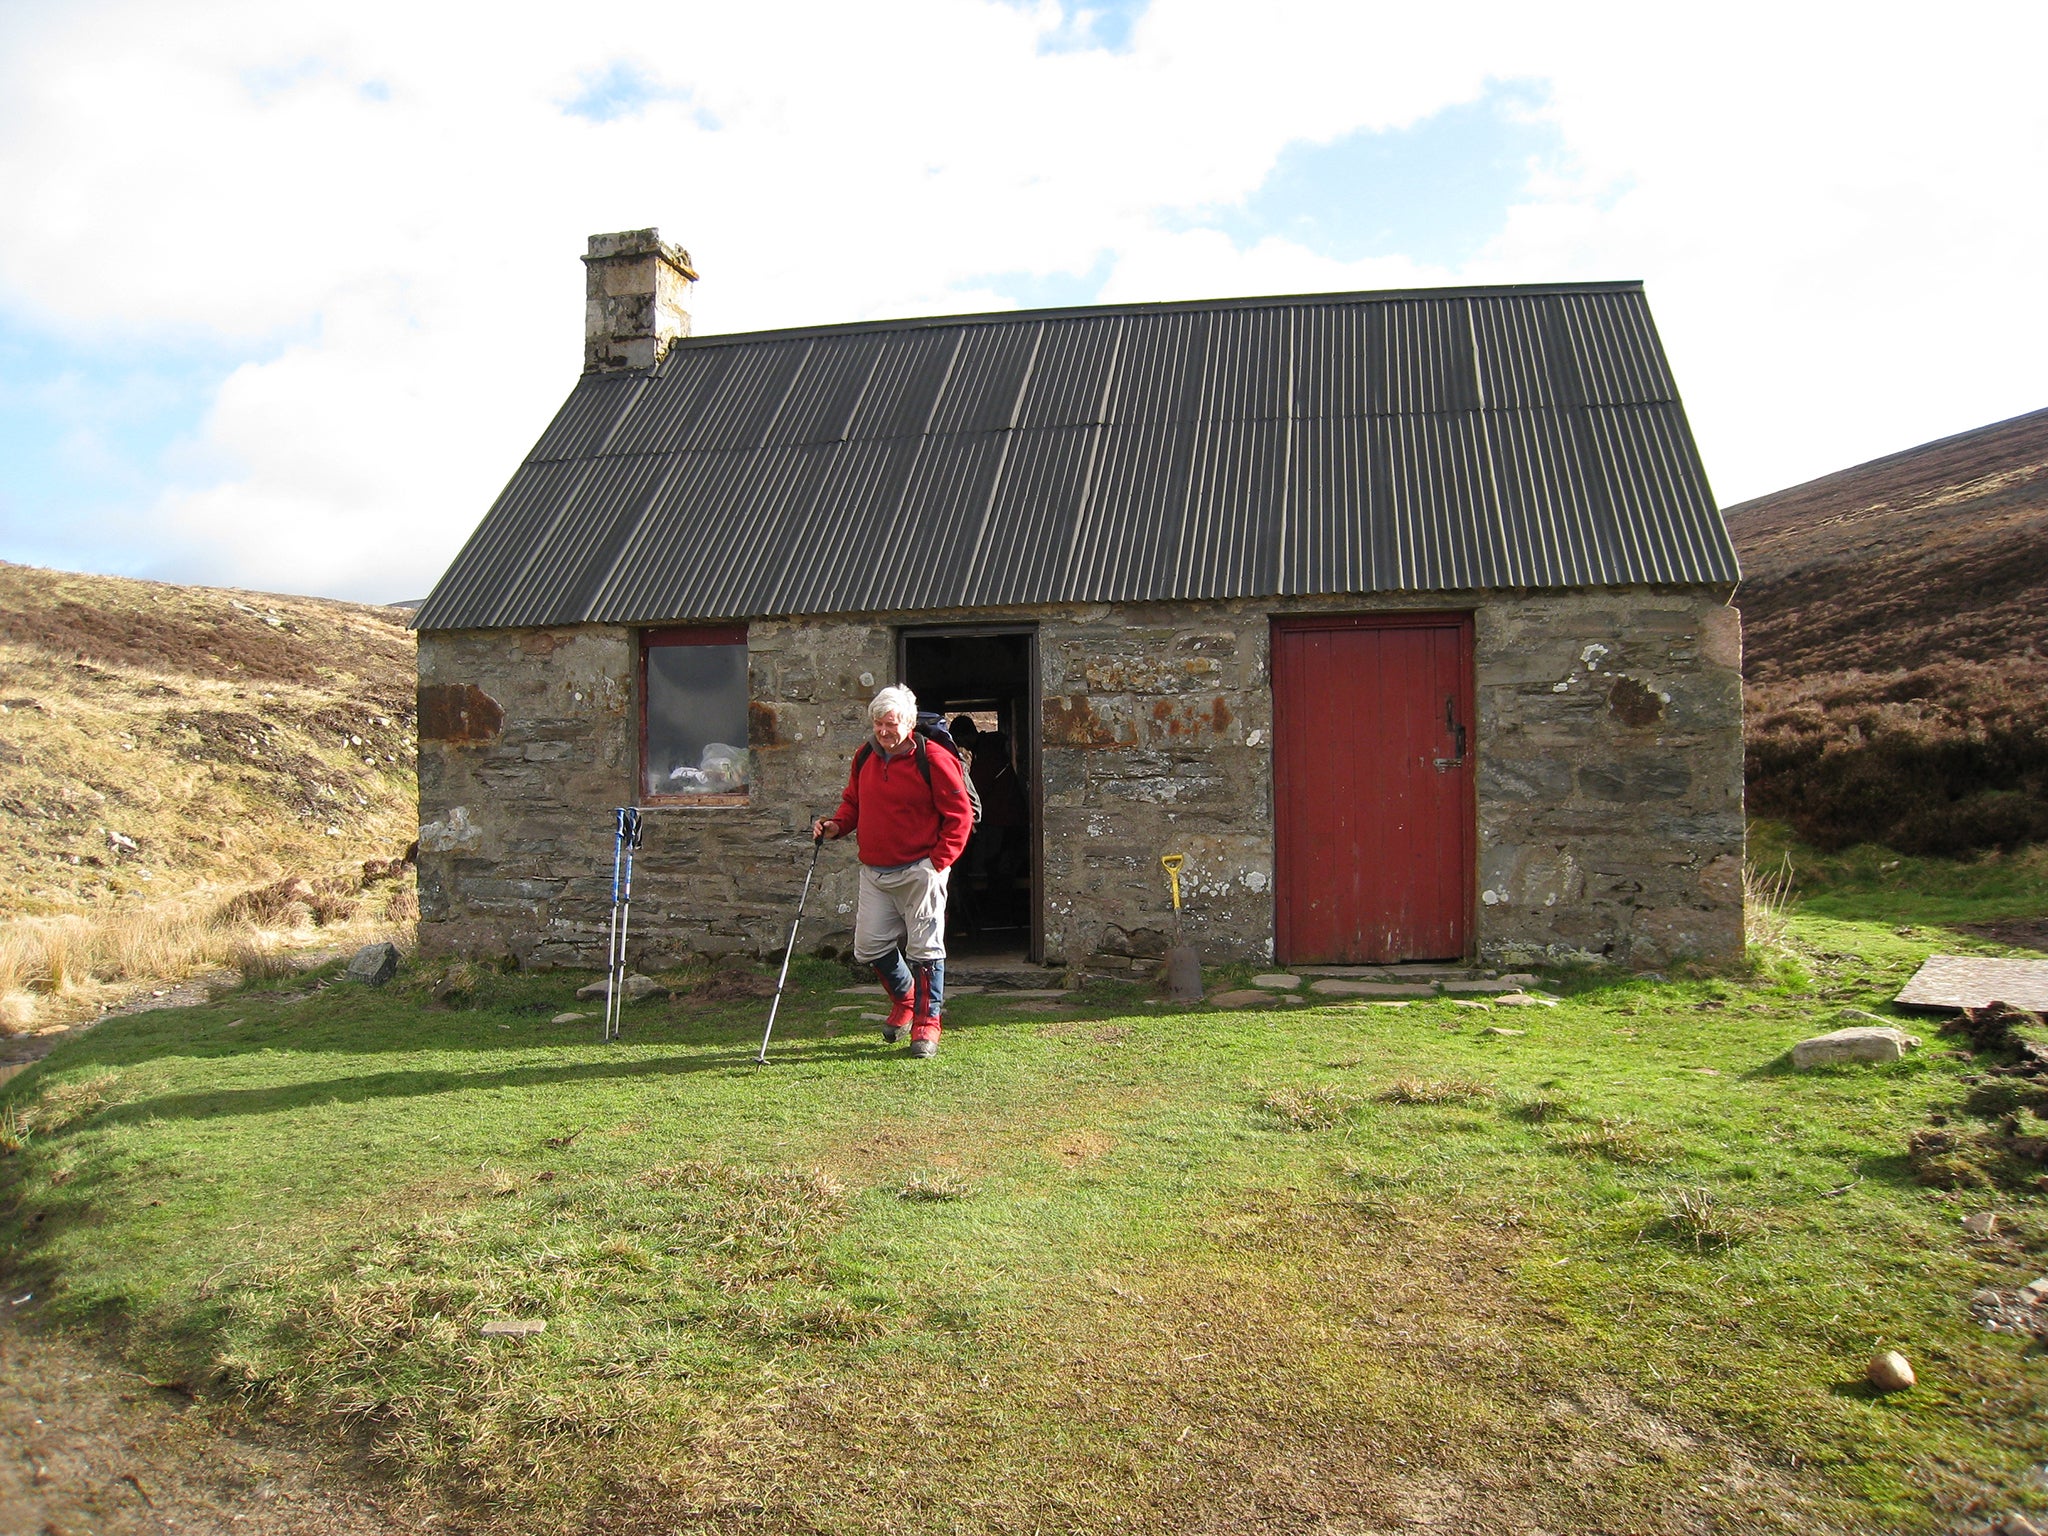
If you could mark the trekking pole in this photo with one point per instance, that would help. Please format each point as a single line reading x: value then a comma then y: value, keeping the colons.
x: 615, y: 1002
x: 817, y: 842
x: 611, y: 943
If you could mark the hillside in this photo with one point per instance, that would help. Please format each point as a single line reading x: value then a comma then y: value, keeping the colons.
x: 1893, y: 619
x: 156, y: 739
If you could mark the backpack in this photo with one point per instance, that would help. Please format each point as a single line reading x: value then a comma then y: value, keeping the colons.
x: 931, y: 728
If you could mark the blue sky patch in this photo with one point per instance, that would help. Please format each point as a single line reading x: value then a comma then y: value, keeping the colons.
x: 622, y: 90
x: 1435, y: 192
x: 1048, y: 290
x: 91, y: 440
x: 1087, y: 25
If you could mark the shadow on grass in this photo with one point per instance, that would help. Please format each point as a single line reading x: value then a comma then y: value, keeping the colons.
x: 418, y: 1084
x: 726, y: 1051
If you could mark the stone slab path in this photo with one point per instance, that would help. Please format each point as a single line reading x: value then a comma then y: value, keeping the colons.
x: 1956, y: 982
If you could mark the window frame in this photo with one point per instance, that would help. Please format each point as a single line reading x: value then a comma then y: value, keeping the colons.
x: 686, y: 634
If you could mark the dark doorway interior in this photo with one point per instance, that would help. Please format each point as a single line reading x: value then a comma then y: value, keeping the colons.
x: 989, y: 675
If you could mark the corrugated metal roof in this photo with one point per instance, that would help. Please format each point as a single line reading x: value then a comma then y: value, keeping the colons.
x: 1432, y: 440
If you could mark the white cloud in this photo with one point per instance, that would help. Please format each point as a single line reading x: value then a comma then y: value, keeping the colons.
x: 382, y: 203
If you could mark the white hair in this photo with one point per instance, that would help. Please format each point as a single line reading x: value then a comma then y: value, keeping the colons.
x: 898, y: 701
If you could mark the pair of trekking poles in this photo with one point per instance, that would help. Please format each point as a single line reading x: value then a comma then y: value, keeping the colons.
x: 626, y: 836
x: 626, y: 833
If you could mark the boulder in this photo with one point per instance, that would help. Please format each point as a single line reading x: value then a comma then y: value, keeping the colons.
x: 1280, y: 980
x: 1890, y: 1372
x: 1858, y: 1044
x: 374, y: 964
x: 635, y: 988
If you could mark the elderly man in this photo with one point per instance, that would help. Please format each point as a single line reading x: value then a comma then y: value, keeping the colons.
x: 907, y: 799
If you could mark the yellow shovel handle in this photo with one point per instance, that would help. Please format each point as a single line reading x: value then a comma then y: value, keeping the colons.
x: 1173, y: 862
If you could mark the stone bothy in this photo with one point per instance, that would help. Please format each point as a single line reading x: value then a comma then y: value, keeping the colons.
x: 1404, y: 616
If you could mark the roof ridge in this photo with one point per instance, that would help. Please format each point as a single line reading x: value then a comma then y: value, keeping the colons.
x: 1156, y: 307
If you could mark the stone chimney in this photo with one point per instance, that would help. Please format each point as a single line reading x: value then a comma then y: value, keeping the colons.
x: 635, y: 289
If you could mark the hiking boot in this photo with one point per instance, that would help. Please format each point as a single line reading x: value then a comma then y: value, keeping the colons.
x: 899, y: 1020
x: 924, y: 1038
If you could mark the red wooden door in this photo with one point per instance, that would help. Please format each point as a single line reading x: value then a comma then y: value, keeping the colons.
x: 1372, y: 788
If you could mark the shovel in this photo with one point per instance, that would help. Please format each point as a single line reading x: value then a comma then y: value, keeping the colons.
x: 1183, y: 965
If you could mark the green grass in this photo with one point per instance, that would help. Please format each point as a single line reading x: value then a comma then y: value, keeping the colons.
x: 1126, y: 1268
x: 1874, y: 884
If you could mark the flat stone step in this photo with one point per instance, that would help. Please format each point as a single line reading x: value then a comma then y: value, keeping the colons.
x: 1951, y: 983
x: 1339, y: 986
x: 1397, y: 972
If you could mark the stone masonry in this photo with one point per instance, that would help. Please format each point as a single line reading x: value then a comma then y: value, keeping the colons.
x: 1609, y: 760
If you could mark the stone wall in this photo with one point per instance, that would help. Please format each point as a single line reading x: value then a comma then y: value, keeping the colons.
x: 1608, y: 742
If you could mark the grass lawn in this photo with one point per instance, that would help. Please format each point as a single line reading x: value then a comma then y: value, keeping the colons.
x: 1118, y: 1267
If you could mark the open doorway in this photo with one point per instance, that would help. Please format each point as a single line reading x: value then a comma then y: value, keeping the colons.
x: 990, y: 675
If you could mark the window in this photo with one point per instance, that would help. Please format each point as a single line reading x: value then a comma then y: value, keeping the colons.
x: 693, y: 690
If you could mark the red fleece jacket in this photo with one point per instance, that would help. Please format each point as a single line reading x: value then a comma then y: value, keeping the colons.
x: 901, y: 821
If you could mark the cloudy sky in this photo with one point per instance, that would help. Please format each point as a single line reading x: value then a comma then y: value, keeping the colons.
x: 287, y: 290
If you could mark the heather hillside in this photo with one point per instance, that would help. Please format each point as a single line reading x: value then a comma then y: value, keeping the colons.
x: 1893, y: 618
x: 158, y: 738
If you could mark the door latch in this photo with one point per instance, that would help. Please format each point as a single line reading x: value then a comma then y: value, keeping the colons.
x: 1446, y: 764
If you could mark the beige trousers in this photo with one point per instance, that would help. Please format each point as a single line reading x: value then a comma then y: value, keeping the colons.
x: 903, y: 906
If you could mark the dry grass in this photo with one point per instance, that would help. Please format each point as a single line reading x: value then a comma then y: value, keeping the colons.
x: 1432, y: 1090
x: 1767, y: 906
x: 934, y: 1188
x: 1538, y: 1109
x: 1618, y: 1141
x: 1695, y: 1217
x: 1309, y: 1109
x: 58, y: 967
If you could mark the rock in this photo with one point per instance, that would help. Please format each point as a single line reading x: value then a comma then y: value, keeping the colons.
x: 1279, y: 980
x: 1862, y: 1018
x: 567, y: 1018
x: 1495, y: 1029
x: 1890, y: 1372
x: 1337, y: 986
x: 513, y: 1327
x: 875, y: 989
x: 1470, y: 1002
x: 1522, y: 978
x: 1469, y: 987
x: 635, y: 988
x: 374, y: 964
x: 2034, y: 1293
x: 1860, y: 1044
x: 1525, y: 1000
x: 1242, y: 998
x: 1981, y: 1223
x: 875, y: 1018
x: 1027, y: 992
